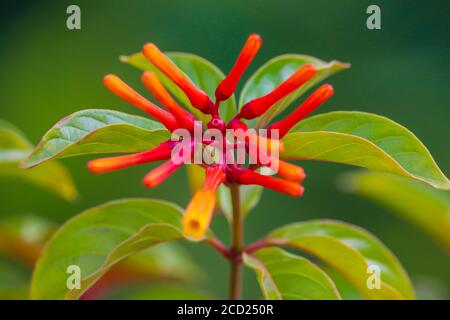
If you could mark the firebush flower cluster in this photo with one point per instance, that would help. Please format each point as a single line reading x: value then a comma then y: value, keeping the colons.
x: 200, y: 209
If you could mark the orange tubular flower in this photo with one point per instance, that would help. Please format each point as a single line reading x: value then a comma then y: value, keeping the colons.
x: 199, y: 212
x: 122, y: 90
x: 184, y: 118
x: 159, y: 175
x: 227, y: 168
x: 228, y: 85
x: 315, y: 100
x: 198, y: 98
x: 290, y: 171
x: 161, y: 152
x: 246, y: 176
x: 257, y: 107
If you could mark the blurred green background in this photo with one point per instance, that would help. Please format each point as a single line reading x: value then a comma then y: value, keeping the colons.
x: 401, y: 71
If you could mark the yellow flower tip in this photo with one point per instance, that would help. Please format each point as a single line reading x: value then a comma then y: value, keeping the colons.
x: 197, y: 217
x: 194, y: 230
x: 95, y: 166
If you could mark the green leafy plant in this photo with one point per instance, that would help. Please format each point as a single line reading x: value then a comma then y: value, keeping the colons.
x: 164, y: 269
x: 99, y: 238
x: 22, y: 238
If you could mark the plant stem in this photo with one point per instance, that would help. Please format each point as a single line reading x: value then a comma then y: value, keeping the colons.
x: 219, y: 246
x: 237, y: 244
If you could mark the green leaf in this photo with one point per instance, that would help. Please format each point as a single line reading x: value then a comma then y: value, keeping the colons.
x: 165, y: 261
x: 14, y: 147
x: 365, y: 140
x: 99, y: 238
x: 97, y: 131
x: 22, y: 238
x: 52, y: 176
x: 250, y: 197
x: 203, y: 73
x: 345, y: 288
x: 282, y: 275
x: 275, y: 71
x: 351, y: 251
x: 413, y: 201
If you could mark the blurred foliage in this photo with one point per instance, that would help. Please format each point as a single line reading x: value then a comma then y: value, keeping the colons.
x: 413, y: 201
x: 161, y: 291
x: 400, y: 72
x: 21, y: 241
x: 14, y: 147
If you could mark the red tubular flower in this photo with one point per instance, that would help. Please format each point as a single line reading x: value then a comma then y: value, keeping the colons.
x: 315, y: 100
x: 236, y: 124
x: 216, y: 123
x: 258, y: 106
x: 161, y: 152
x: 247, y: 176
x: 228, y: 85
x: 184, y: 118
x: 160, y: 174
x: 199, y: 212
x: 122, y: 90
x: 198, y: 98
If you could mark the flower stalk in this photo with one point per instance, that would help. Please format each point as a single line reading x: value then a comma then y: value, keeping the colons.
x: 237, y: 244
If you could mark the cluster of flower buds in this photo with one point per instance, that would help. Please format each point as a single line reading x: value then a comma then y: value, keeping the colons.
x: 200, y: 210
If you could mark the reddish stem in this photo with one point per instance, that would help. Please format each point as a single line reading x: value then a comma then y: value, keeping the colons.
x: 219, y: 246
x: 262, y: 243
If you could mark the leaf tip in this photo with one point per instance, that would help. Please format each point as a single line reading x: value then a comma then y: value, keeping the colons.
x: 124, y: 58
x: 347, y: 182
x: 27, y: 163
x: 343, y: 65
x: 72, y: 196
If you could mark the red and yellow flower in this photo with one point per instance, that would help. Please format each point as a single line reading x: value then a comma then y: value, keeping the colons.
x: 200, y: 209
